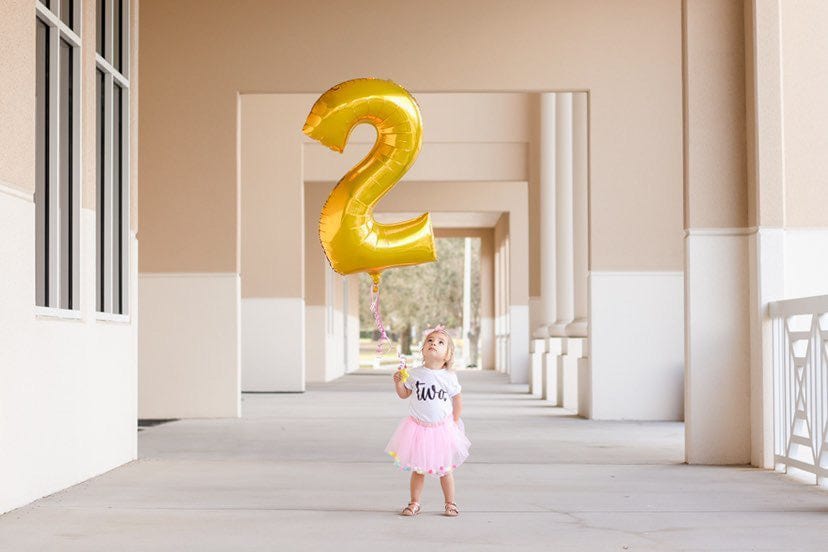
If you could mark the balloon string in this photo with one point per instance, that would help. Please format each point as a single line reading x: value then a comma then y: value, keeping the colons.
x: 375, y: 309
x: 384, y: 344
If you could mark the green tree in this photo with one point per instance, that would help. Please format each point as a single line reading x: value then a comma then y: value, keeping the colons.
x: 425, y: 295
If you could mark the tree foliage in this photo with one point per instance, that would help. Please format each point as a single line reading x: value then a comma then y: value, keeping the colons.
x: 422, y: 296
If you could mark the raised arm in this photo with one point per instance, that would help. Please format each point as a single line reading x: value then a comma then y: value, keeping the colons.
x: 402, y: 391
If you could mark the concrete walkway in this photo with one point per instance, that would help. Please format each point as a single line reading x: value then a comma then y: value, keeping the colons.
x: 307, y: 472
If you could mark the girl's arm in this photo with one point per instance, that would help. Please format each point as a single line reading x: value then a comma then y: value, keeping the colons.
x: 456, y: 407
x: 402, y: 391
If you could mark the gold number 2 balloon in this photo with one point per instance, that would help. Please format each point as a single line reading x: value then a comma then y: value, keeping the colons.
x: 353, y: 241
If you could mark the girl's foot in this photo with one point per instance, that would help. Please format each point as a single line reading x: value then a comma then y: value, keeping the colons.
x: 412, y: 509
x: 451, y: 509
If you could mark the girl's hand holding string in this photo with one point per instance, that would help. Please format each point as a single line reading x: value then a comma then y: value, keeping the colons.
x: 402, y: 391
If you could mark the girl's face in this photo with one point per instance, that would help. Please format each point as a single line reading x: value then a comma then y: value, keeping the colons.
x: 435, y: 348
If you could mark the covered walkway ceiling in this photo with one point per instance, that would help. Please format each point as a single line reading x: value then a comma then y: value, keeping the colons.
x: 447, y: 219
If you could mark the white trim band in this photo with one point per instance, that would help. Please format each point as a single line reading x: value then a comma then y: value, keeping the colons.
x: 721, y: 231
x: 52, y: 312
x: 670, y: 273
x: 14, y: 192
x: 188, y: 274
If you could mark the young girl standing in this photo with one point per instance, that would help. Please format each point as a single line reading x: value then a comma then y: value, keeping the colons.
x: 431, y: 440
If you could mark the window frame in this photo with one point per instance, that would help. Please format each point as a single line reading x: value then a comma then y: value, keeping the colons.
x: 57, y: 251
x: 112, y: 255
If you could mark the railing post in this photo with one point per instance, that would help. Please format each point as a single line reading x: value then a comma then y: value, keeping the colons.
x: 800, y: 374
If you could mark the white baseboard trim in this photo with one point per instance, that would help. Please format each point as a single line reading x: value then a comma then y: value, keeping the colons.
x: 717, y: 337
x: 189, y: 345
x: 273, y: 344
x: 636, y: 345
x: 70, y: 384
x: 188, y: 275
x: 518, y: 349
x: 10, y: 190
x: 805, y: 262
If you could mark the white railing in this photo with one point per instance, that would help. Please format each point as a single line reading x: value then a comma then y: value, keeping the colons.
x: 800, y: 384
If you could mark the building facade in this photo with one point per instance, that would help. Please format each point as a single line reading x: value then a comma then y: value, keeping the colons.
x: 647, y: 176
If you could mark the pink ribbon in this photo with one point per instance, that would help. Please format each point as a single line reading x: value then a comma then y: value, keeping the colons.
x: 375, y: 310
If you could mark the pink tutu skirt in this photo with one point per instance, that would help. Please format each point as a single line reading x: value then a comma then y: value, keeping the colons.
x: 429, y: 448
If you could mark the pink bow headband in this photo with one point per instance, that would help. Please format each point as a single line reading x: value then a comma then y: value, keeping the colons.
x: 437, y: 328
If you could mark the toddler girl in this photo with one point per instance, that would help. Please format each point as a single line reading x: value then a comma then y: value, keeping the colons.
x: 431, y: 440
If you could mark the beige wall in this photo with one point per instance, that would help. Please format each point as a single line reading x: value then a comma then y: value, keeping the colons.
x: 315, y: 261
x: 17, y: 94
x: 714, y: 111
x: 720, y: 157
x: 17, y: 101
x: 270, y: 175
x: 804, y: 92
x: 765, y: 140
x: 192, y: 74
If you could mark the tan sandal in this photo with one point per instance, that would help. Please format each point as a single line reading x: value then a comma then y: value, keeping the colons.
x: 451, y: 509
x: 409, y: 511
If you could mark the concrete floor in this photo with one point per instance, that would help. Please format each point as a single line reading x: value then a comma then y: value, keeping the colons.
x: 307, y: 472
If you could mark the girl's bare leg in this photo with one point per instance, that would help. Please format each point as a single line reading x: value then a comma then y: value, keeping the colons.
x: 447, y: 483
x: 417, y: 481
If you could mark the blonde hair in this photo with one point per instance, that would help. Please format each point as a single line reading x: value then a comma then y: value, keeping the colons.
x: 449, y: 362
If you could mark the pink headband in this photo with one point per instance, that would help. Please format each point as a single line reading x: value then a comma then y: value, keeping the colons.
x: 438, y: 328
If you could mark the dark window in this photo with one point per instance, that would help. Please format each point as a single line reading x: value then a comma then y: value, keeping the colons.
x: 100, y: 26
x: 67, y: 12
x: 66, y: 164
x: 101, y: 189
x: 42, y: 168
x: 118, y: 201
x: 117, y: 34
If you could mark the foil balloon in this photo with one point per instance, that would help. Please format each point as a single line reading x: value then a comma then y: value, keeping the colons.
x: 353, y: 241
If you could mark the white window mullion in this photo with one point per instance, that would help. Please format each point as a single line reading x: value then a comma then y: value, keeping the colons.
x: 69, y: 35
x: 46, y: 15
x: 117, y: 199
x: 53, y: 204
x: 100, y: 156
x: 125, y: 203
x: 64, y: 183
x: 77, y: 132
x: 108, y: 193
x: 108, y: 68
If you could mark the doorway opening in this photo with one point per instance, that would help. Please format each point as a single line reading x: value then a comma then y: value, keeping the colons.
x: 416, y: 298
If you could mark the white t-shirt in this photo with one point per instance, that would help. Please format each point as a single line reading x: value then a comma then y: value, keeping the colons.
x: 432, y: 393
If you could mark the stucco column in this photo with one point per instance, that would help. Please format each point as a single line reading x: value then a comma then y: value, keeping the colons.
x: 564, y: 303
x: 766, y: 208
x: 580, y: 231
x: 546, y: 179
x: 716, y: 312
x: 498, y: 284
